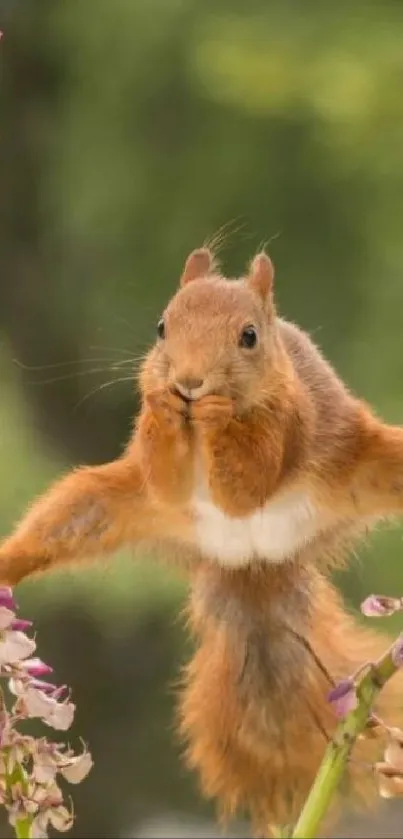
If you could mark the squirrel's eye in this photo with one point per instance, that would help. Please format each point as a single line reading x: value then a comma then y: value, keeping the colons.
x: 161, y: 329
x: 248, y: 337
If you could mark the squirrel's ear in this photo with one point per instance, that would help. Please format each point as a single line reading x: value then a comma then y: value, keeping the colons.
x: 198, y: 264
x: 261, y: 276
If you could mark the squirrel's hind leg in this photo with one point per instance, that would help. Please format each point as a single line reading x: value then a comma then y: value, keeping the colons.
x: 90, y: 512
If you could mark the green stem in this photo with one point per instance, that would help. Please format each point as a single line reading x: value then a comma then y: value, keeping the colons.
x: 23, y: 828
x: 338, y: 751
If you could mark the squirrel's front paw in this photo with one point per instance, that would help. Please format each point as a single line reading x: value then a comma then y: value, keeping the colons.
x: 213, y: 412
x: 169, y: 410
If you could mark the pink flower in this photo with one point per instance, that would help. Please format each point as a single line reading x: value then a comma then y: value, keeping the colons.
x: 36, y: 667
x: 379, y: 606
x: 48, y: 760
x: 50, y: 811
x: 47, y: 687
x: 22, y: 625
x: 36, y: 703
x: 15, y: 646
x: 6, y: 617
x: 44, y: 768
x: 343, y: 697
x: 58, y: 816
x: 78, y: 768
x: 6, y: 594
x: 36, y: 796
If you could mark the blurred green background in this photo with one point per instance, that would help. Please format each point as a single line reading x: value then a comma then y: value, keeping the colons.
x: 131, y: 131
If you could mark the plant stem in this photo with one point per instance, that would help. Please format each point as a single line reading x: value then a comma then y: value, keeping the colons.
x: 338, y: 751
x: 23, y: 828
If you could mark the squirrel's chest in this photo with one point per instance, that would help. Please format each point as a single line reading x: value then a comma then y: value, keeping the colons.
x: 273, y: 532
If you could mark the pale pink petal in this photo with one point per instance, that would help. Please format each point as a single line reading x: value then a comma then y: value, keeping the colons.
x: 6, y: 617
x: 60, y: 818
x: 16, y: 686
x: 39, y: 826
x: 78, y: 769
x: 36, y: 703
x: 31, y: 806
x: 44, y: 771
x: 15, y: 646
x: 61, y: 715
x: 56, y: 714
x: 41, y: 794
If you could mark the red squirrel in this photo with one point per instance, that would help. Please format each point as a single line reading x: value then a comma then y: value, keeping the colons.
x: 253, y: 465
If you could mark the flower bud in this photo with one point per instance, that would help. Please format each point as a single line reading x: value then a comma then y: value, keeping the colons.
x: 379, y: 606
x: 36, y: 667
x: 343, y: 697
x: 7, y: 599
x: 20, y: 624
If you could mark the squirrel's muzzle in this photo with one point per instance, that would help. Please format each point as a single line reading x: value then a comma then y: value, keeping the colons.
x: 188, y: 387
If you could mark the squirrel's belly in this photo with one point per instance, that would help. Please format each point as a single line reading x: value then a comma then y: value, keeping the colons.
x: 273, y: 532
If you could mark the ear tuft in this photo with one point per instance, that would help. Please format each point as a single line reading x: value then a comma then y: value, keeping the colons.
x: 198, y: 264
x: 261, y: 276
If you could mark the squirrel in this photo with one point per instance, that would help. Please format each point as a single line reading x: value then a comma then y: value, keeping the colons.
x: 253, y: 466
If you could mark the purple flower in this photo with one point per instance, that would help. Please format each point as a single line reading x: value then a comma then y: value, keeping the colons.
x: 343, y: 697
x: 20, y: 624
x: 7, y: 599
x: 379, y: 606
x: 36, y: 667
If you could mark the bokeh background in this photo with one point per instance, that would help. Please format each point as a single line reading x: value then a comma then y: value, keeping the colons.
x: 130, y: 132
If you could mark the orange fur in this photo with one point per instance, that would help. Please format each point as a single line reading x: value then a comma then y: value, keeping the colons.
x: 263, y: 441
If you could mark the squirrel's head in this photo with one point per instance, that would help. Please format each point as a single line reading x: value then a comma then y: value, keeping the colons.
x: 216, y: 336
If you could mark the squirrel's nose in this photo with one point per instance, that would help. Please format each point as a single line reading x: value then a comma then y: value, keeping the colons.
x: 187, y: 384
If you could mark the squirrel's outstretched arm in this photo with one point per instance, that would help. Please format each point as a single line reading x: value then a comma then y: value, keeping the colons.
x: 95, y: 510
x: 373, y: 476
x: 90, y: 512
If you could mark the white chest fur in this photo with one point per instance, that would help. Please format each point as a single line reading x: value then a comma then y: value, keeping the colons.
x: 272, y: 533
